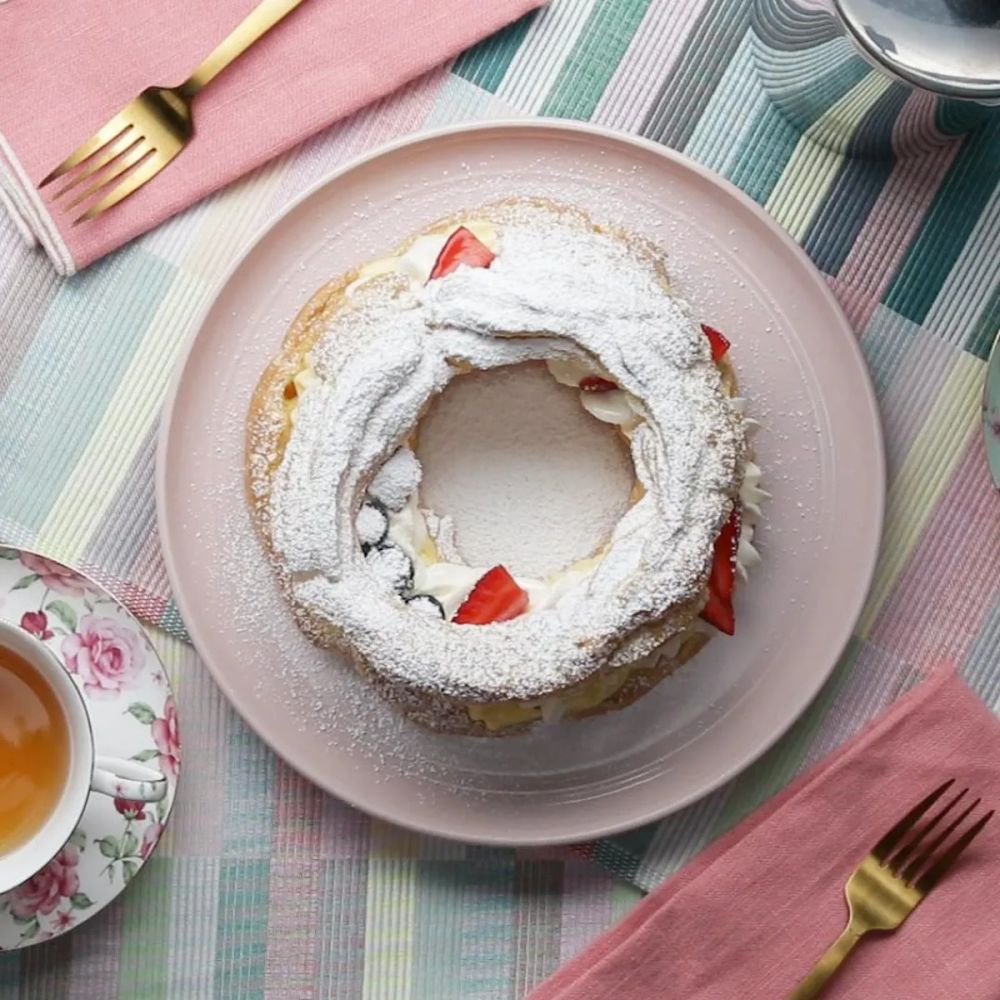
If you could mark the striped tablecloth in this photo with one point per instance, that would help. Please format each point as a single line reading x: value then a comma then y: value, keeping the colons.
x: 263, y: 886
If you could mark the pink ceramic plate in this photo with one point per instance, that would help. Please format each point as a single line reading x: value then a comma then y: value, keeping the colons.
x: 820, y: 447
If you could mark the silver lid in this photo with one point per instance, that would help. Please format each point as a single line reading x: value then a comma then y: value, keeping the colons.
x: 948, y: 46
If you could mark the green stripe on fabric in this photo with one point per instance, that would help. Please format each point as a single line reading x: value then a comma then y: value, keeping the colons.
x: 956, y: 117
x: 987, y: 328
x: 171, y: 621
x: 486, y: 63
x: 622, y: 855
x: 437, y: 914
x: 769, y: 145
x: 244, y: 872
x: 594, y: 59
x: 729, y: 116
x: 953, y: 215
x: 10, y: 975
x: 250, y: 792
x: 144, y: 951
x: 241, y: 945
x: 87, y: 338
x: 487, y: 924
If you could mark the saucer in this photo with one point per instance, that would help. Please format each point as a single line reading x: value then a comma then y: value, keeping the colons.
x: 132, y: 710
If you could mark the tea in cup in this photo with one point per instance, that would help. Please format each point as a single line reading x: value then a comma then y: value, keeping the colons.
x: 48, y: 760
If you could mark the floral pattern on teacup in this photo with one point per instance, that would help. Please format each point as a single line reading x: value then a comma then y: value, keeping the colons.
x: 134, y: 716
x: 167, y: 739
x: 106, y: 655
x: 53, y: 892
x: 55, y: 576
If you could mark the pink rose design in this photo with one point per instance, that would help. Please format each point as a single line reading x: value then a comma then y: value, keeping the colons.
x: 37, y: 623
x: 55, y: 576
x: 167, y: 739
x: 104, y: 654
x: 150, y: 838
x: 43, y: 892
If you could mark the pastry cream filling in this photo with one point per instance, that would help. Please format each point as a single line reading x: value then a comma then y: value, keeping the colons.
x: 582, y: 697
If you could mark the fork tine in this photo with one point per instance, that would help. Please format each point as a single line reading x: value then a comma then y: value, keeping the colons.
x: 100, y: 138
x: 896, y: 862
x: 909, y: 873
x: 891, y: 840
x: 933, y: 875
x: 150, y: 168
x: 121, y: 143
x: 135, y: 154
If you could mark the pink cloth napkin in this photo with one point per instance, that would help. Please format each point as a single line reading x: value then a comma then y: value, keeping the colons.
x: 66, y: 68
x: 748, y: 917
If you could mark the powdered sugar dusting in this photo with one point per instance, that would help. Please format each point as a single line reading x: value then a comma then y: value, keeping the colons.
x: 556, y: 289
x: 396, y: 480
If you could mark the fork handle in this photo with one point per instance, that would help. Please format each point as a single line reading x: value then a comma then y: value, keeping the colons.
x: 257, y: 23
x: 824, y: 969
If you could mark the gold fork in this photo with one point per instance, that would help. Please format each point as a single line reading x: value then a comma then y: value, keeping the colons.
x: 889, y: 883
x: 154, y: 127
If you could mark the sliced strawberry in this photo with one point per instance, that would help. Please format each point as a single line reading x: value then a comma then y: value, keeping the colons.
x: 496, y: 597
x: 461, y: 248
x: 716, y: 341
x: 722, y: 578
x: 594, y: 383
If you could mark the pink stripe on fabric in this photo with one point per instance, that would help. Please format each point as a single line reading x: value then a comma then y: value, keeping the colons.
x: 95, y: 970
x: 950, y: 581
x: 892, y: 223
x: 344, y: 830
x: 657, y: 45
x: 148, y: 571
x: 297, y: 816
x: 197, y: 827
x: 586, y: 908
x: 293, y: 914
x: 295, y: 879
x: 325, y: 60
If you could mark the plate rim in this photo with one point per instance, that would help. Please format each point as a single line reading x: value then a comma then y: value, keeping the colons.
x: 678, y: 159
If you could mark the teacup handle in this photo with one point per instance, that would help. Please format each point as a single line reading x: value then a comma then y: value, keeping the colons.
x: 127, y: 779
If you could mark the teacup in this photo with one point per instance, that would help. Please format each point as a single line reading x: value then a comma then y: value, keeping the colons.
x: 86, y: 771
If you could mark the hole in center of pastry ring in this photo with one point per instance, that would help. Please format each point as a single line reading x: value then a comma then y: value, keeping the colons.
x: 505, y: 494
x: 529, y: 478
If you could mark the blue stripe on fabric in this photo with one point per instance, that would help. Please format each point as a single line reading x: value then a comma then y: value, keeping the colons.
x: 86, y: 340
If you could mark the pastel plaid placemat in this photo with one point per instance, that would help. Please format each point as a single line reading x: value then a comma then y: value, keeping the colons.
x: 263, y: 885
